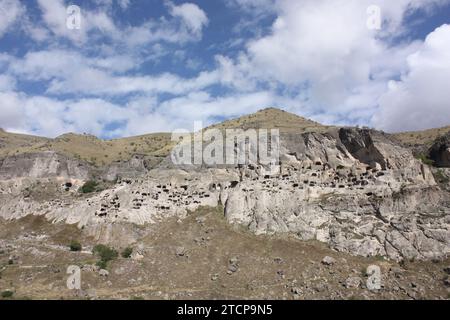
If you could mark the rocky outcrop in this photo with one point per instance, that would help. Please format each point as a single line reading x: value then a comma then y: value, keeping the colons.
x: 133, y: 168
x: 440, y: 151
x: 51, y: 164
x: 42, y: 165
x: 356, y: 190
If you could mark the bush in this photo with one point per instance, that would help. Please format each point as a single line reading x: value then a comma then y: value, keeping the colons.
x: 89, y: 187
x: 105, y: 254
x: 75, y: 246
x: 425, y: 160
x: 7, y: 294
x: 102, y: 264
x: 126, y: 253
x: 441, y: 177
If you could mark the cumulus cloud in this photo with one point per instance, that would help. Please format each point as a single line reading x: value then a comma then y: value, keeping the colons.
x: 11, y: 109
x: 142, y: 114
x: 255, y: 7
x: 318, y: 59
x: 322, y: 52
x: 51, y: 117
x: 124, y: 3
x: 10, y: 12
x: 7, y: 83
x: 421, y: 99
x: 187, y: 23
x: 69, y: 72
x: 192, y: 16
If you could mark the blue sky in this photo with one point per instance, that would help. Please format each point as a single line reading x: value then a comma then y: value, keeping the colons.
x: 140, y: 66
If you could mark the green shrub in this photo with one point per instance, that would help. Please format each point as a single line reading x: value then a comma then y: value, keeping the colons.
x: 7, y: 294
x: 89, y: 187
x: 126, y: 253
x: 425, y: 159
x: 441, y: 177
x: 102, y: 264
x: 105, y: 254
x: 75, y: 246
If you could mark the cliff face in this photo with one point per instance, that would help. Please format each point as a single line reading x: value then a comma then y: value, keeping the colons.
x: 356, y: 190
x: 50, y: 164
x: 43, y: 165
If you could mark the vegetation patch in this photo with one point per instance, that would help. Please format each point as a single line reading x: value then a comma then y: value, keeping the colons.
x: 441, y: 177
x: 106, y: 254
x: 75, y: 246
x: 7, y: 294
x: 126, y: 253
x: 89, y: 187
x: 425, y: 160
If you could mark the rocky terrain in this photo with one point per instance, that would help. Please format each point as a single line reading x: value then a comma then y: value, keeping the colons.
x: 358, y: 195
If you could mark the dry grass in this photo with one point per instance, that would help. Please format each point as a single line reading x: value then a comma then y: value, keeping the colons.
x: 269, y: 267
x: 273, y: 118
x: 426, y: 137
x: 86, y: 147
x: 103, y: 152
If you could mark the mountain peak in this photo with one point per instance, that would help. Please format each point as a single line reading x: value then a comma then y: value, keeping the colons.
x: 272, y: 118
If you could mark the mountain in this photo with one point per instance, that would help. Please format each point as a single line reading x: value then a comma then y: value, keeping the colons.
x: 425, y: 137
x: 356, y: 194
x: 87, y: 148
x: 272, y: 118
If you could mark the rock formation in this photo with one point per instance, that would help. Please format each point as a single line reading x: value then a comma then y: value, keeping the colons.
x: 357, y: 190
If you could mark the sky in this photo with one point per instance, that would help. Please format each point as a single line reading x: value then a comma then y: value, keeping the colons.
x: 117, y: 68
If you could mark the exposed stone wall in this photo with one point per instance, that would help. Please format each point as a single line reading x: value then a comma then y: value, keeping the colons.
x: 353, y: 189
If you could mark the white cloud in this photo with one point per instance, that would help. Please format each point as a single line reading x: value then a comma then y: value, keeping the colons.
x: 124, y: 3
x: 142, y: 114
x: 54, y: 14
x: 323, y: 53
x: 420, y: 100
x: 7, y: 83
x: 11, y: 109
x: 192, y: 16
x: 10, y: 12
x: 319, y: 60
x: 50, y: 117
x: 187, y: 24
x: 70, y: 72
x: 255, y: 7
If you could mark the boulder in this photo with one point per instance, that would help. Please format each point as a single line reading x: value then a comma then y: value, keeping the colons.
x: 328, y: 261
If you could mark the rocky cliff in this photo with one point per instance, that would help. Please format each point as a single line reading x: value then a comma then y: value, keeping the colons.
x: 357, y: 190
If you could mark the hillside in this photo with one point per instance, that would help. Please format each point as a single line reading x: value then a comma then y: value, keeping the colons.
x: 272, y: 118
x: 86, y: 147
x: 104, y: 152
x: 340, y: 200
x: 418, y: 138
